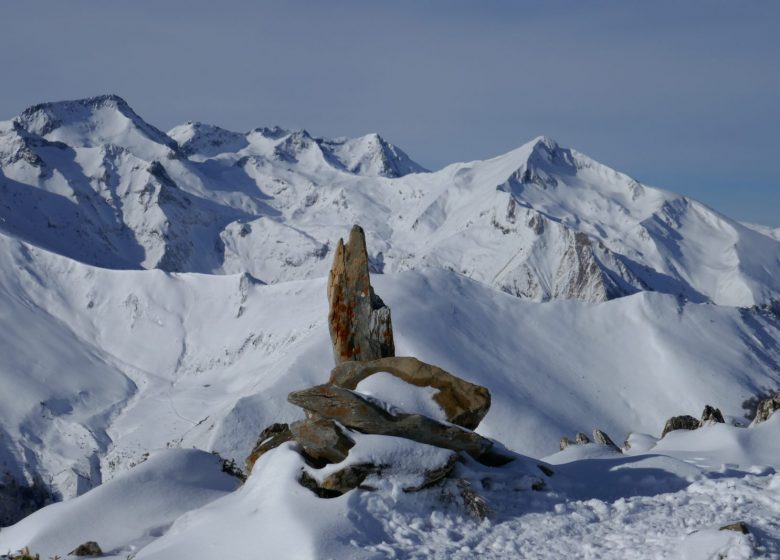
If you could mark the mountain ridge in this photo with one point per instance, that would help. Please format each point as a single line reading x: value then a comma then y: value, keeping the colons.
x: 540, y: 222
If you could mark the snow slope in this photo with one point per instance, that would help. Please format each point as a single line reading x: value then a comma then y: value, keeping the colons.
x: 91, y: 180
x: 209, y: 359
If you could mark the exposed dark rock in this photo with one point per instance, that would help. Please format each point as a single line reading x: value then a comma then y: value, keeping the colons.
x: 602, y: 438
x: 359, y: 321
x: 464, y: 403
x: 581, y: 439
x: 308, y: 481
x: 271, y: 437
x: 89, y: 548
x: 739, y: 527
x: 564, y: 443
x: 711, y: 415
x: 766, y: 408
x: 340, y: 482
x: 684, y: 422
x: 358, y: 413
x: 322, y: 440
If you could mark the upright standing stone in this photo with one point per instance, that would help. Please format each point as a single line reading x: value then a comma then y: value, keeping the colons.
x: 359, y: 321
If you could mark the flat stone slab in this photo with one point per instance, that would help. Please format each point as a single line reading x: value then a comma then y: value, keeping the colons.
x: 464, y: 403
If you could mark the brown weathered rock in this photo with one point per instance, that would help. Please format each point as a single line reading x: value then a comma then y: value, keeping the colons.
x: 684, y: 422
x: 711, y: 415
x: 766, y: 408
x: 601, y: 437
x: 464, y: 403
x: 340, y: 482
x: 271, y: 437
x: 739, y: 527
x: 564, y: 443
x: 359, y: 321
x: 358, y: 413
x: 89, y: 548
x: 322, y: 440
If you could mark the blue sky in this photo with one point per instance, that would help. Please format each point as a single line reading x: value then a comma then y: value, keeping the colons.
x: 682, y: 95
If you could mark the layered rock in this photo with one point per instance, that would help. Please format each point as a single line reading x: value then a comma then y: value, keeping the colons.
x: 464, y: 403
x: 355, y: 411
x: 359, y: 321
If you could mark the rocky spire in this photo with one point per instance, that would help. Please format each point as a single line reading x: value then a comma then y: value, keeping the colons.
x: 359, y: 321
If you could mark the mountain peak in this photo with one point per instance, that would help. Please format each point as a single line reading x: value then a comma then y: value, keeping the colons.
x: 91, y: 121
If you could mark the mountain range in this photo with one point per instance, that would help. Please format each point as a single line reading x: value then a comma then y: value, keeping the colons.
x: 168, y: 290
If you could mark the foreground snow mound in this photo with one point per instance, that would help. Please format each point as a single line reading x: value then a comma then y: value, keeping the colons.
x: 594, y: 502
x: 274, y: 516
x: 128, y: 512
x: 91, y: 180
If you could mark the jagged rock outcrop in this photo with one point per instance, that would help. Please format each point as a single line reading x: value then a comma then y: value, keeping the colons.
x: 580, y: 438
x: 766, y: 408
x: 271, y: 437
x: 359, y: 321
x: 565, y: 442
x: 601, y: 437
x: 684, y: 422
x: 357, y: 412
x: 322, y: 440
x: 464, y: 403
x: 711, y: 415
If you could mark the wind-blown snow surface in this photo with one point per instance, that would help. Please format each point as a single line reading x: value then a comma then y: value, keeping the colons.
x: 166, y: 291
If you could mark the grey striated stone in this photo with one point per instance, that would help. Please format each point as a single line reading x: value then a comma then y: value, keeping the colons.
x: 464, y: 403
x: 358, y: 413
x: 684, y: 422
x: 564, y: 443
x: 359, y: 321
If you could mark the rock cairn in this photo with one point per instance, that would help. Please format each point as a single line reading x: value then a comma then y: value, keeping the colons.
x: 362, y: 338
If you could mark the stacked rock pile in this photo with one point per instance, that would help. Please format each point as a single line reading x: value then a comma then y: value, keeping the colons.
x: 336, y: 414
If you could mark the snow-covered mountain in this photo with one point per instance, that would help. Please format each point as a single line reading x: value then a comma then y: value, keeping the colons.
x: 167, y: 290
x: 91, y: 180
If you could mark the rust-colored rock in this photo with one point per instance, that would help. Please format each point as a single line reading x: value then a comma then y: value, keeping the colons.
x: 358, y: 413
x: 322, y: 440
x: 273, y: 436
x: 359, y: 321
x: 464, y: 403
